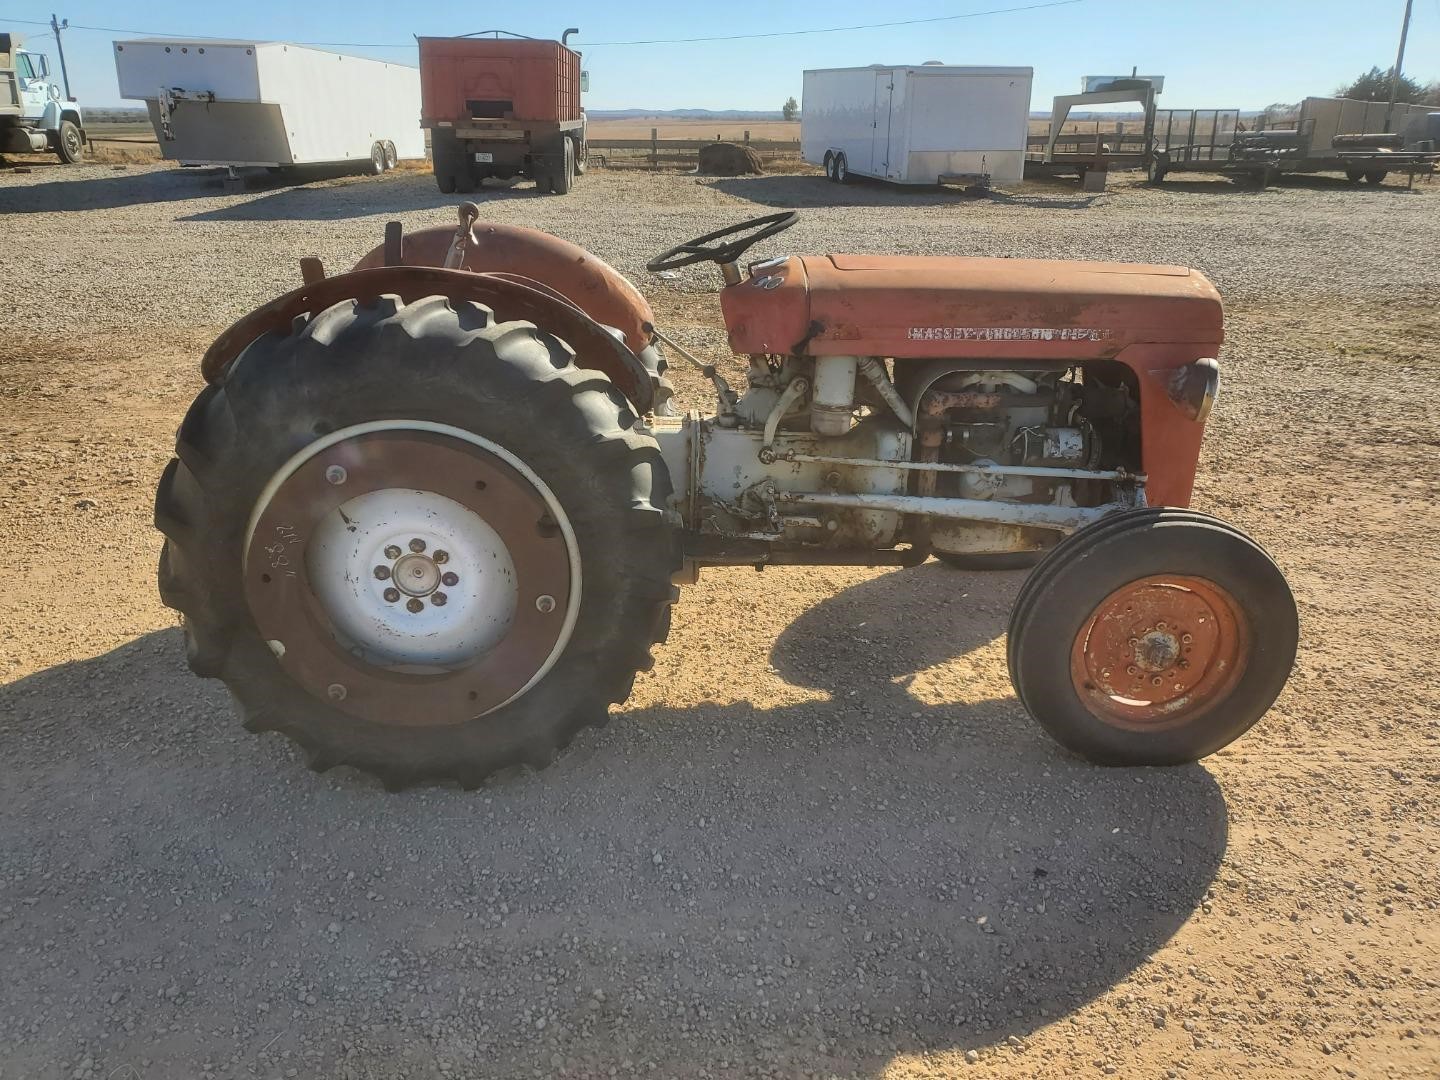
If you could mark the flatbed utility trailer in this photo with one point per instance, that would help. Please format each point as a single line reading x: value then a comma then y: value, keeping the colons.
x: 272, y: 103
x: 1336, y: 135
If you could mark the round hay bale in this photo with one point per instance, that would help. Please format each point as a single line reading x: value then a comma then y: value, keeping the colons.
x: 728, y: 159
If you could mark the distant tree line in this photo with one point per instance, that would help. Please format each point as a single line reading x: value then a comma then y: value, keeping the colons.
x: 1374, y: 85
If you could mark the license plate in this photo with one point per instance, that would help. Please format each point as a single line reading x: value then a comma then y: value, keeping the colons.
x: 485, y: 159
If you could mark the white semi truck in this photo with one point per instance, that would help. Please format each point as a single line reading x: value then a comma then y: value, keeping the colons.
x: 271, y: 103
x: 913, y: 125
x: 36, y: 117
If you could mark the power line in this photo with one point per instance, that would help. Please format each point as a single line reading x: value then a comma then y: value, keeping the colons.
x: 606, y: 44
x: 836, y: 29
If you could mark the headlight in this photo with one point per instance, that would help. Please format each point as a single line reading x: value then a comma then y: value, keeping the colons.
x: 1193, y: 388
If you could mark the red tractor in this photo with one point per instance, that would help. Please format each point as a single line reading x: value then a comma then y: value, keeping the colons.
x: 428, y: 517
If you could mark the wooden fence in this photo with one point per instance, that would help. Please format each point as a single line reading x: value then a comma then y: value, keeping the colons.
x: 656, y: 152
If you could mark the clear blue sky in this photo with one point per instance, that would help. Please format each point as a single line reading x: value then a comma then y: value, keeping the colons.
x: 1230, y: 53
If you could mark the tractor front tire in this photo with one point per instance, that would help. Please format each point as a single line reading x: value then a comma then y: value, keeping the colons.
x: 1154, y: 637
x: 417, y: 541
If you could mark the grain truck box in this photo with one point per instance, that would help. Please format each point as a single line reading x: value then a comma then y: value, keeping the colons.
x: 502, y: 107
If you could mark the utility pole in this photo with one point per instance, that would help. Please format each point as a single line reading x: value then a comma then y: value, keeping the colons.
x: 1399, y: 62
x: 57, y: 25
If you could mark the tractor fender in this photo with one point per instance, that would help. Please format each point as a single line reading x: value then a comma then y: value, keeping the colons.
x: 588, y: 282
x: 509, y: 297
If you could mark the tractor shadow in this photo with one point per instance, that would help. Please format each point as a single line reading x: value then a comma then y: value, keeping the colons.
x: 822, y: 885
x: 800, y: 191
x: 394, y: 193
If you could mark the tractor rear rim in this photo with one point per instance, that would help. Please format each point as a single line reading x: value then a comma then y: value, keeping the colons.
x: 411, y: 573
x: 1159, y: 651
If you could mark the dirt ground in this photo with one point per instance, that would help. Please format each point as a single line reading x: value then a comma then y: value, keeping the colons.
x: 823, y: 838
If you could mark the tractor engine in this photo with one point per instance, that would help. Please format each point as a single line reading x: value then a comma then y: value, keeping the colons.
x: 844, y: 452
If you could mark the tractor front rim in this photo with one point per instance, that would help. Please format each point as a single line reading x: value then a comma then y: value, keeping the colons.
x: 71, y: 135
x: 1159, y: 651
x: 411, y: 573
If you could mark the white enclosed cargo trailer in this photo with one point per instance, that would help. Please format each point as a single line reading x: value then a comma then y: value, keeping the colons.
x: 271, y: 103
x: 912, y: 125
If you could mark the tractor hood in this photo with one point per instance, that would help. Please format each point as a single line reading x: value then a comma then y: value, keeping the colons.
x: 921, y: 306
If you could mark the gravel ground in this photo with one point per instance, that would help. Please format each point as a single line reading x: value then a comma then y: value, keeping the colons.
x: 822, y: 838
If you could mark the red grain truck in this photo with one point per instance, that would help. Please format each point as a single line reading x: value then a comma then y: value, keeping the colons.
x: 502, y: 107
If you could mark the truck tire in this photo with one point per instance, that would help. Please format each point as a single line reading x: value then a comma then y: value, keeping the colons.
x: 377, y: 159
x: 69, y: 143
x: 842, y: 169
x: 1354, y: 175
x: 582, y: 156
x: 445, y: 182
x: 454, y: 452
x: 563, y: 178
x: 1376, y: 176
x: 1158, y: 594
x: 392, y: 156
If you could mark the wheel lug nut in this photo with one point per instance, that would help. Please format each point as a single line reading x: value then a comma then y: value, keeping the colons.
x: 1131, y: 670
x: 336, y: 474
x: 382, y: 572
x: 1159, y: 626
x: 438, y: 599
x: 414, y: 605
x: 450, y: 578
x: 417, y: 545
x: 336, y: 692
x: 392, y: 552
x: 392, y: 595
x: 1156, y: 681
x: 1186, y: 638
x: 545, y: 604
x: 441, y: 555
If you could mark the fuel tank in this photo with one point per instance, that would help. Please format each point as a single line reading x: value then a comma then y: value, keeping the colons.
x: 923, y: 306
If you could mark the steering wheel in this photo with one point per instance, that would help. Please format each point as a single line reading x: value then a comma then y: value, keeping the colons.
x: 703, y: 249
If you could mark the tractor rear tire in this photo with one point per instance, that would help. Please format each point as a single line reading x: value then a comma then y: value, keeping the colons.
x: 1154, y: 637
x: 359, y: 403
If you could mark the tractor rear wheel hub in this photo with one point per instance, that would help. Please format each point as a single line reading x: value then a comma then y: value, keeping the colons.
x: 414, y: 581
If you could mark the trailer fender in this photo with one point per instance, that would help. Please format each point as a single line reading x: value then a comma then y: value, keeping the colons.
x: 508, y: 296
x: 588, y: 282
